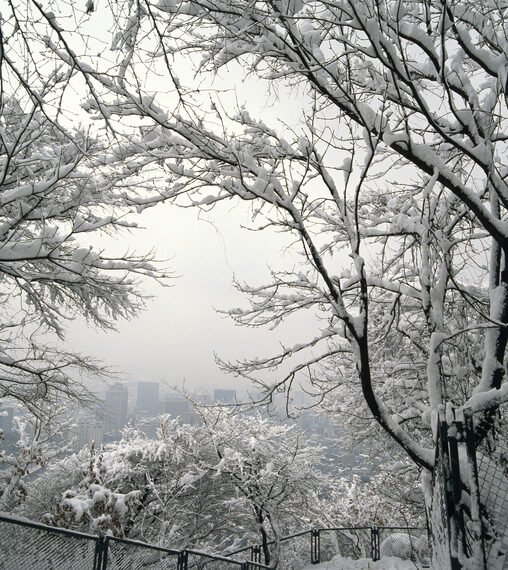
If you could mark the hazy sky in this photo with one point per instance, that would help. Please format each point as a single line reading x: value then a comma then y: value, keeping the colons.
x: 176, y: 337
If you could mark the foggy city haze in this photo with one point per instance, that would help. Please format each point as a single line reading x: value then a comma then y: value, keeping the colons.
x: 174, y: 340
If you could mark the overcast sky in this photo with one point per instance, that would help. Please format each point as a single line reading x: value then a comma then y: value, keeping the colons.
x: 175, y: 338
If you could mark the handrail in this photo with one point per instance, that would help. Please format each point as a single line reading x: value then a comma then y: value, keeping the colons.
x: 103, y: 543
x: 142, y: 544
x: 41, y: 526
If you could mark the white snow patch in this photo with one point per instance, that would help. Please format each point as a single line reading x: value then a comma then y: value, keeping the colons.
x: 386, y: 563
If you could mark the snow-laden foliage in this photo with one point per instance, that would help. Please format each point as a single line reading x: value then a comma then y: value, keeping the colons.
x: 57, y: 188
x: 271, y: 467
x: 37, y: 442
x: 390, y: 178
x: 236, y: 478
x: 61, y: 189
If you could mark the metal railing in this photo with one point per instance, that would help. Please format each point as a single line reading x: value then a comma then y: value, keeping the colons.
x: 323, y: 544
x: 469, y: 511
x: 485, y: 524
x: 25, y: 545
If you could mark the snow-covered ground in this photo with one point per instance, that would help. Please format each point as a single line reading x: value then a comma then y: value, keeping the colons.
x: 386, y: 563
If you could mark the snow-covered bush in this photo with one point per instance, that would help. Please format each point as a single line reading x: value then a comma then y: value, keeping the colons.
x: 405, y: 546
x: 236, y: 477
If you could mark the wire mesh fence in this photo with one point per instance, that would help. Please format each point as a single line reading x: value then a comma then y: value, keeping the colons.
x: 27, y: 546
x: 352, y: 543
x: 197, y: 560
x: 324, y: 544
x: 295, y: 550
x: 469, y: 512
x: 406, y: 543
x: 488, y: 431
x: 135, y: 555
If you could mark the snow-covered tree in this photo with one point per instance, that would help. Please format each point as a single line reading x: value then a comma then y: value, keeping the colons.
x: 61, y: 188
x: 272, y: 468
x: 237, y: 478
x: 57, y: 188
x: 391, y: 178
x: 37, y: 442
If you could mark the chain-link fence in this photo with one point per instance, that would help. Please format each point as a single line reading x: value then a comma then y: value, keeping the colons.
x: 197, y: 560
x: 405, y: 543
x: 28, y: 546
x: 487, y: 435
x: 294, y: 550
x: 346, y: 542
x: 469, y: 512
x: 139, y: 556
x: 324, y: 544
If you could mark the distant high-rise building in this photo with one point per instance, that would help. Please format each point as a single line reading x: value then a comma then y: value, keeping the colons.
x: 175, y: 406
x: 148, y: 397
x: 221, y: 395
x: 115, y: 408
x: 87, y: 432
x: 179, y: 407
x: 6, y: 419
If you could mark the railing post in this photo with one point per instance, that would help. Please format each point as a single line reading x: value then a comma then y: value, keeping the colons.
x: 478, y: 525
x: 315, y: 546
x: 183, y: 557
x: 449, y: 495
x: 374, y: 543
x: 101, y: 553
x: 255, y: 553
x: 456, y: 490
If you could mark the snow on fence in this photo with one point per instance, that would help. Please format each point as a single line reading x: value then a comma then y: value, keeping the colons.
x: 25, y: 545
x: 323, y: 544
x: 469, y: 508
x: 405, y: 543
x: 487, y: 435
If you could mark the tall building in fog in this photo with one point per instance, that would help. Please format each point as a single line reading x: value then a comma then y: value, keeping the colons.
x: 178, y: 407
x: 88, y: 432
x: 115, y: 409
x: 148, y: 397
x: 221, y: 395
x: 175, y: 406
x: 6, y: 421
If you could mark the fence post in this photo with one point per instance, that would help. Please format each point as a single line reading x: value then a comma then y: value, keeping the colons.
x: 456, y: 490
x: 183, y: 557
x: 449, y: 497
x: 315, y: 546
x: 478, y: 526
x: 374, y: 543
x: 101, y: 553
x: 255, y: 553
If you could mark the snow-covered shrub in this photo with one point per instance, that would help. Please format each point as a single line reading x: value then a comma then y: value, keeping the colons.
x: 405, y: 546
